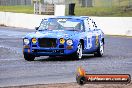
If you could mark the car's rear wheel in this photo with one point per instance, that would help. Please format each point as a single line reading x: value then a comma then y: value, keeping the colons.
x: 29, y: 57
x: 78, y: 53
x: 100, y: 50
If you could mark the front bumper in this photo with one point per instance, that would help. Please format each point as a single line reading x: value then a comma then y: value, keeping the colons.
x: 49, y: 51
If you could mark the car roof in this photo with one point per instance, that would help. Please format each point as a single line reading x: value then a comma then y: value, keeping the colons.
x: 71, y: 17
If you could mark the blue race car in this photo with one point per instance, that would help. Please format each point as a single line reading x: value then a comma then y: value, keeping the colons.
x: 64, y: 36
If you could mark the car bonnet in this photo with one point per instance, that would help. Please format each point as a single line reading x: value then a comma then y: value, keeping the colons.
x: 53, y: 34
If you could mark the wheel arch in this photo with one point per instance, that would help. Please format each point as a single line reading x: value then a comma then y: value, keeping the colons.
x: 103, y: 40
x: 82, y: 42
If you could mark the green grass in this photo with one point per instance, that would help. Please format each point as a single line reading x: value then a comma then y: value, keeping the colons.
x: 17, y: 9
x: 105, y: 8
x: 101, y: 11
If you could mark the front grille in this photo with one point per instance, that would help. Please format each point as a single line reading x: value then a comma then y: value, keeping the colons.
x: 47, y: 42
x: 34, y: 45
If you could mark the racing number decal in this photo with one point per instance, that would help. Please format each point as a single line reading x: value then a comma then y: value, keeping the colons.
x: 89, y: 42
x: 97, y: 40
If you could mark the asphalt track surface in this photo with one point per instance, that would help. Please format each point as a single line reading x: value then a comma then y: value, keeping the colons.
x: 15, y: 71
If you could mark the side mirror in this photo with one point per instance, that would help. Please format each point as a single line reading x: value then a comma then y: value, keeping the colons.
x: 36, y: 28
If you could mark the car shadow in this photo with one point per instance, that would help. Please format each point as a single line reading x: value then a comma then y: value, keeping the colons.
x: 56, y: 59
x: 65, y: 58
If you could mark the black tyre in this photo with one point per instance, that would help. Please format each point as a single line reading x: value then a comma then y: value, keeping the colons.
x: 100, y: 50
x: 52, y: 56
x: 29, y: 57
x: 78, y: 54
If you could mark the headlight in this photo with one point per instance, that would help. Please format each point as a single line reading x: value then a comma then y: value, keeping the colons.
x: 26, y: 41
x: 34, y: 40
x: 62, y: 40
x: 69, y: 42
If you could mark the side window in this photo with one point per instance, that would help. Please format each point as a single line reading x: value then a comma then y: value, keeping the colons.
x: 91, y: 24
x: 86, y: 25
x: 95, y: 25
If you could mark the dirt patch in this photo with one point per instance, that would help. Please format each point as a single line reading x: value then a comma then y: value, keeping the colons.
x: 75, y: 85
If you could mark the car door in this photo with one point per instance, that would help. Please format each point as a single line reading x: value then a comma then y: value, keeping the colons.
x: 89, y: 41
x: 95, y: 35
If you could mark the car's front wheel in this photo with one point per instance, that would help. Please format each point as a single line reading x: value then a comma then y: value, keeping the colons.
x: 78, y: 53
x: 100, y: 50
x: 29, y: 57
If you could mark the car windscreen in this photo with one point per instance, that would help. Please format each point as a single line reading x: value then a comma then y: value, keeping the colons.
x: 61, y: 24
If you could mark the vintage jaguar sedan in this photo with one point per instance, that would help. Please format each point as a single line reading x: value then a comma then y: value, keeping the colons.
x: 71, y: 36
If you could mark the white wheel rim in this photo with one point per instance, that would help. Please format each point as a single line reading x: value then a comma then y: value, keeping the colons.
x: 101, y: 48
x: 79, y: 51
